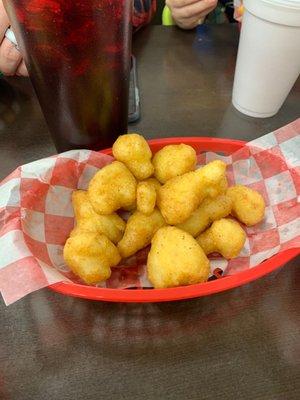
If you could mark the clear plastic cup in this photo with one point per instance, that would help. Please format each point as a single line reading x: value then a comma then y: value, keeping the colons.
x: 78, y: 57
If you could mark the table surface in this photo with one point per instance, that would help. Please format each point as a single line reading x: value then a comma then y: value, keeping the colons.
x: 241, y: 344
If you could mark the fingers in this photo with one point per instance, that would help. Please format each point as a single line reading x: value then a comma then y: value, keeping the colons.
x: 10, y: 58
x: 187, y: 13
x: 203, y: 14
x: 4, y: 21
x: 11, y: 62
x: 22, y: 70
x: 194, y: 9
x: 184, y: 3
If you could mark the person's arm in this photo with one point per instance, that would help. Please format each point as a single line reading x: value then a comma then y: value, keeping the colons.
x: 187, y: 14
x: 11, y: 61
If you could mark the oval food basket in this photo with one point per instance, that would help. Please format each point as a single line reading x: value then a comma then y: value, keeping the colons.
x: 201, y: 144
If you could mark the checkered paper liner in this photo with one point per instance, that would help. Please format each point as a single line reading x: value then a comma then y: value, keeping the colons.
x: 36, y: 214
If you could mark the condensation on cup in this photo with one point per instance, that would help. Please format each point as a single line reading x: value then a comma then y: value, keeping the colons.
x: 268, y: 62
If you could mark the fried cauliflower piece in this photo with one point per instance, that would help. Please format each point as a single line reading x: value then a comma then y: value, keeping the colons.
x: 225, y: 237
x: 179, y: 197
x: 133, y: 150
x: 112, y: 187
x: 154, y: 182
x: 146, y: 195
x: 176, y: 259
x: 139, y: 231
x: 213, y: 181
x: 209, y: 211
x: 88, y: 220
x: 90, y: 256
x: 174, y: 160
x: 248, y: 206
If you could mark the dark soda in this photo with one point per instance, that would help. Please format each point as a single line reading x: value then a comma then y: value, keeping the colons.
x: 78, y: 57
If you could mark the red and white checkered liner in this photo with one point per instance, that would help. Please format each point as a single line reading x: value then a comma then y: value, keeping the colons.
x: 36, y: 214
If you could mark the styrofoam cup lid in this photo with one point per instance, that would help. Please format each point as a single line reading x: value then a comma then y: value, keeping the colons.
x: 284, y: 12
x: 286, y: 3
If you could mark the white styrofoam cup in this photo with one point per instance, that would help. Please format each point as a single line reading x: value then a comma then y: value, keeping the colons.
x: 268, y: 62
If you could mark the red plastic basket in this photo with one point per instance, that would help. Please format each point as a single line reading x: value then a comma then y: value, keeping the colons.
x: 226, y: 146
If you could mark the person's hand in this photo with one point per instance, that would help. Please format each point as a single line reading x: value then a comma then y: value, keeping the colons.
x: 189, y: 13
x: 11, y: 61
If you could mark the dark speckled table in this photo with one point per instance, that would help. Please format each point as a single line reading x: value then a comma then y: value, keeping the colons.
x: 242, y: 344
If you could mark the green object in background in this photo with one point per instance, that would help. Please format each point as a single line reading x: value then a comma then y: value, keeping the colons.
x: 167, y: 19
x: 1, y: 74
